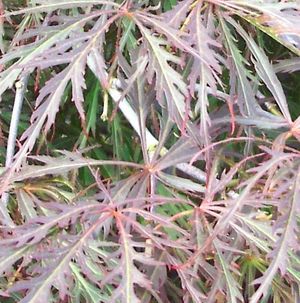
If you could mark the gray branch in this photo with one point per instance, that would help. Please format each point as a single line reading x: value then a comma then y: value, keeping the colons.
x: 21, y: 87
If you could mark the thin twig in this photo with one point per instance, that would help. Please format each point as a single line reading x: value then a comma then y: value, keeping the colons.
x: 21, y: 87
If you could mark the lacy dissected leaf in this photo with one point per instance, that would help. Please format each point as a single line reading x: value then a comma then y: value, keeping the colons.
x: 48, y: 39
x: 200, y: 35
x: 178, y: 14
x: 283, y: 19
x: 233, y: 289
x: 49, y: 53
x: 286, y: 227
x: 51, y: 267
x: 201, y: 53
x: 37, y: 229
x: 85, y: 288
x: 265, y: 71
x: 175, y: 37
x: 57, y: 165
x: 130, y: 275
x: 171, y: 90
x: 248, y: 105
x: 57, y: 273
x: 278, y: 19
x: 187, y: 280
x: 155, y: 242
x: 246, y: 101
x: 229, y: 213
x: 42, y: 6
x: 51, y: 94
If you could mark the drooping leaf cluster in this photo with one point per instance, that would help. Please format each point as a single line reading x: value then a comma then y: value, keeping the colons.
x: 158, y: 151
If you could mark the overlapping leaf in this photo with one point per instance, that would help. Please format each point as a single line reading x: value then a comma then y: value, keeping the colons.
x: 150, y: 231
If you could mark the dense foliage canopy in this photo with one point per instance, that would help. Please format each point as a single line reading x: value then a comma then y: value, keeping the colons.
x: 157, y: 151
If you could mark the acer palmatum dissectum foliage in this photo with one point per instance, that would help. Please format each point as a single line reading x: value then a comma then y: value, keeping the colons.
x: 175, y: 212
